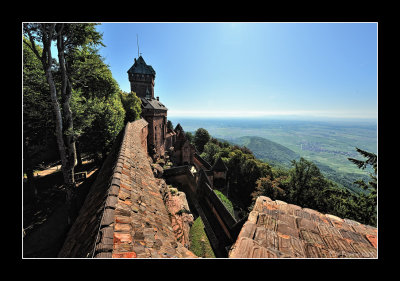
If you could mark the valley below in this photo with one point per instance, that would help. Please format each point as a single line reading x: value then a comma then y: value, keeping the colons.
x: 328, y: 144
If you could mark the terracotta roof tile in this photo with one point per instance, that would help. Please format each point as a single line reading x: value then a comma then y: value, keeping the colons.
x: 266, y: 238
x: 132, y: 220
x: 307, y: 225
x: 276, y: 230
x: 266, y: 220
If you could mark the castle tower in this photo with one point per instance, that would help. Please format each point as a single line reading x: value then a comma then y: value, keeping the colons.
x: 142, y: 78
x: 154, y: 112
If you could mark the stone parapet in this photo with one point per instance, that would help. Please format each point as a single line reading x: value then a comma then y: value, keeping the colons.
x: 275, y: 229
x: 134, y: 221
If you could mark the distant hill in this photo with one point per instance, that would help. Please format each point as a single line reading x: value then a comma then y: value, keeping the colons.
x: 279, y: 155
x: 268, y: 151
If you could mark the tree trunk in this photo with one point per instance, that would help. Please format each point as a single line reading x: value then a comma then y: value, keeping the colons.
x: 66, y: 92
x: 68, y: 132
x: 78, y: 155
x: 56, y: 108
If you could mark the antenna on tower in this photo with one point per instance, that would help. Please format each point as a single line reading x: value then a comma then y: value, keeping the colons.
x: 137, y: 40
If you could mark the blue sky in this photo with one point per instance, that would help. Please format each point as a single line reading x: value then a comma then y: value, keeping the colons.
x: 252, y: 69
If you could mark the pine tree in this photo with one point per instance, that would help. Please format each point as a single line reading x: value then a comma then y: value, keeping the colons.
x: 371, y: 160
x: 368, y: 202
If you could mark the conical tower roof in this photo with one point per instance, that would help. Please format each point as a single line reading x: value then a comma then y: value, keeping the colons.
x: 140, y: 67
x: 219, y: 166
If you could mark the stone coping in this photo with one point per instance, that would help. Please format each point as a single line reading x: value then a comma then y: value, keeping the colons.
x: 276, y: 229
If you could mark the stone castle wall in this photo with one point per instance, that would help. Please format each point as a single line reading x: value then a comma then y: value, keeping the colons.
x: 124, y: 215
x: 158, y: 133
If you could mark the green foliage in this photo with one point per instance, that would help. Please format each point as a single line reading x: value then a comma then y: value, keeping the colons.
x: 281, y: 156
x: 306, y: 185
x: 38, y: 121
x: 271, y: 188
x: 201, y: 137
x: 303, y: 184
x: 227, y: 203
x: 368, y: 201
x: 107, y: 121
x: 243, y: 168
x: 170, y: 126
x: 189, y: 136
x: 269, y: 151
x: 97, y: 111
x: 371, y: 160
x: 199, y: 243
x: 210, y: 151
x: 132, y: 106
x: 90, y: 74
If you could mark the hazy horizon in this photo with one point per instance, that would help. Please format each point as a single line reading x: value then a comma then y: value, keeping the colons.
x: 276, y: 118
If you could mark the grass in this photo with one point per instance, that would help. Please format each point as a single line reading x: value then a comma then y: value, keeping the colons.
x: 227, y: 203
x: 199, y: 243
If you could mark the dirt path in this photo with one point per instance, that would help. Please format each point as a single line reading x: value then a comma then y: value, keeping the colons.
x: 46, y: 225
x: 54, y: 169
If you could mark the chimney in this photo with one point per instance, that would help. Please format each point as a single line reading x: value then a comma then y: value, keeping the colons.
x: 158, y: 98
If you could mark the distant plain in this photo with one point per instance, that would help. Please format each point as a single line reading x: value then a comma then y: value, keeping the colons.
x: 328, y: 143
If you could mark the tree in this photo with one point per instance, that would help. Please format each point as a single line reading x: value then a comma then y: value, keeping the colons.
x: 268, y: 187
x: 132, y: 106
x: 68, y: 38
x: 250, y: 172
x: 201, y: 137
x: 367, y: 202
x: 371, y: 160
x: 170, y: 126
x: 107, y: 116
x: 209, y: 151
x: 45, y: 34
x: 306, y: 185
x: 38, y: 123
x: 236, y: 158
x: 93, y: 88
x: 189, y: 136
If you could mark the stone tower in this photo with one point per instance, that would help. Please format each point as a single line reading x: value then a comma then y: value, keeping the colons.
x: 142, y: 78
x: 154, y: 112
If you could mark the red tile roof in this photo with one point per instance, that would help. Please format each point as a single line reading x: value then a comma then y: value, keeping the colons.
x: 276, y: 229
x: 124, y: 215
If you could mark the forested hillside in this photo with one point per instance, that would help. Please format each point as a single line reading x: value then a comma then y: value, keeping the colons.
x: 281, y: 156
x: 268, y: 151
x: 302, y: 183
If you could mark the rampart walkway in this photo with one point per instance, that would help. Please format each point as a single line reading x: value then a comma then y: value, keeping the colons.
x: 124, y: 215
